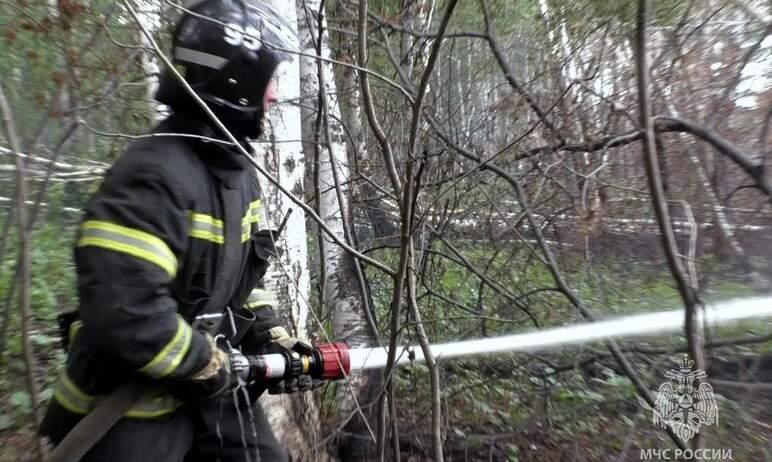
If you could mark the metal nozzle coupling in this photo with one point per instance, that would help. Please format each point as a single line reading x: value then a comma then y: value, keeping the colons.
x: 329, y: 361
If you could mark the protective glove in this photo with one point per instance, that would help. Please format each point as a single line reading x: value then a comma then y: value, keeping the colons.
x: 280, y: 341
x: 214, y: 379
x: 264, y: 242
x: 302, y: 383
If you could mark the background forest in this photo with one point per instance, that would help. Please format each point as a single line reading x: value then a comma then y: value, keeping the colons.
x: 492, y: 166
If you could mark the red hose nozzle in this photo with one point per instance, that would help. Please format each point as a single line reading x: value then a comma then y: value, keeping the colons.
x: 335, y: 360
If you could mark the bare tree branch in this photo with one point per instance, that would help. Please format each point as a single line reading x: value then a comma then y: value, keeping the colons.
x: 753, y: 169
x: 687, y: 291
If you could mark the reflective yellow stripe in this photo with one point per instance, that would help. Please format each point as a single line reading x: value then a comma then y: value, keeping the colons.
x: 130, y: 241
x: 206, y: 227
x: 206, y: 219
x: 207, y: 236
x: 67, y: 403
x: 254, y: 211
x: 252, y: 217
x: 259, y: 298
x: 246, y: 229
x: 170, y: 357
x: 71, y: 397
x: 209, y: 228
x: 74, y: 328
x: 154, y: 406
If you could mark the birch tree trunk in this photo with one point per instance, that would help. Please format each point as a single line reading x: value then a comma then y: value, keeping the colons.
x: 150, y: 12
x: 416, y: 16
x: 344, y: 294
x: 294, y: 418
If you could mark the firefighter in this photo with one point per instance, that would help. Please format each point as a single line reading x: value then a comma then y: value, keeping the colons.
x: 174, y: 234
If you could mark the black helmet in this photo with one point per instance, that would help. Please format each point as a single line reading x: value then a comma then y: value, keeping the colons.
x: 229, y: 51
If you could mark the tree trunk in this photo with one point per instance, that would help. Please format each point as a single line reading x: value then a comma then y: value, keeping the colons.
x: 151, y: 16
x: 293, y: 417
x: 345, y: 296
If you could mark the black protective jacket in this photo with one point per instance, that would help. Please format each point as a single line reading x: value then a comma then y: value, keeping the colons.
x: 169, y: 235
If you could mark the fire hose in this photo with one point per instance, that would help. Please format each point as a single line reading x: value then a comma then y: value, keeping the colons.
x: 334, y: 361
x: 329, y: 361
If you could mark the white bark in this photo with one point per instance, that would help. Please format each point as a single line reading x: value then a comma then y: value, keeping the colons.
x: 342, y: 292
x: 150, y: 12
x: 281, y: 155
x: 352, y: 113
x: 462, y: 83
x: 419, y: 18
x: 288, y: 276
x: 342, y: 295
x: 334, y: 155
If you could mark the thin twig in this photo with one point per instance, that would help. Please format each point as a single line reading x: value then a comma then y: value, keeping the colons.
x: 408, y: 211
x: 24, y: 267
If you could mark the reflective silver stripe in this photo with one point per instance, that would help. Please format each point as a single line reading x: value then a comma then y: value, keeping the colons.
x: 134, y: 242
x: 209, y: 228
x: 75, y: 400
x: 251, y: 217
x: 206, y: 227
x: 167, y: 360
x: 254, y: 212
x: 72, y: 398
x: 246, y: 230
x: 199, y: 57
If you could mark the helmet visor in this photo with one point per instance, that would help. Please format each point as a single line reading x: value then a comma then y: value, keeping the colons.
x: 276, y: 32
x: 266, y: 24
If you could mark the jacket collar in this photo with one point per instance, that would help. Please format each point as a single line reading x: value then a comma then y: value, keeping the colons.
x: 221, y: 158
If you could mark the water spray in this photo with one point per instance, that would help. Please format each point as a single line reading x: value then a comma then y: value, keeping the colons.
x: 334, y: 361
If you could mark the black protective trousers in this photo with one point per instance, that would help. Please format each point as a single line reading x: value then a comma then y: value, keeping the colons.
x: 211, y: 431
